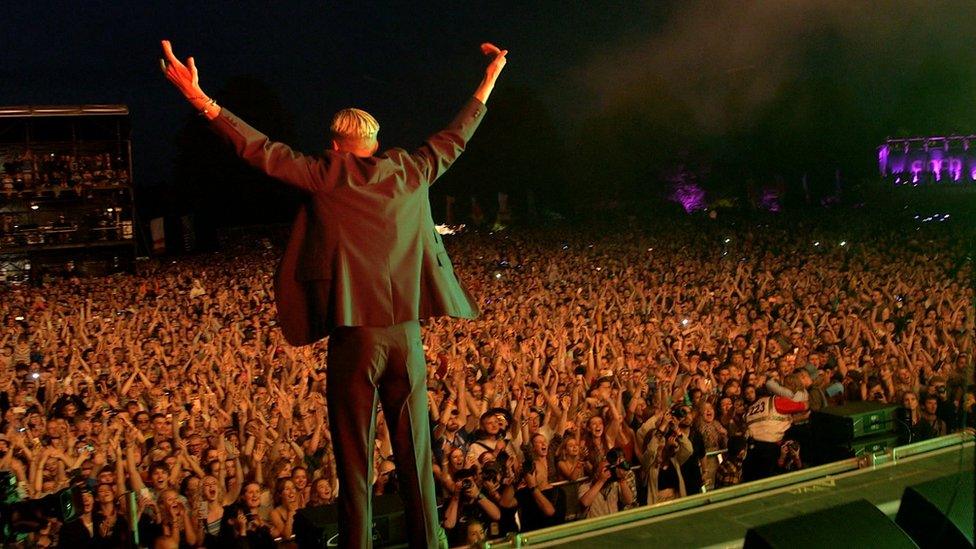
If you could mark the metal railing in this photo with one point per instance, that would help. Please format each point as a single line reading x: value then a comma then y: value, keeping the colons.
x: 888, y: 458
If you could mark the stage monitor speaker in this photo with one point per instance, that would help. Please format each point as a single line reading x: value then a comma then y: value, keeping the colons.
x: 926, y: 516
x: 856, y: 448
x: 856, y: 524
x: 319, y: 526
x: 854, y: 420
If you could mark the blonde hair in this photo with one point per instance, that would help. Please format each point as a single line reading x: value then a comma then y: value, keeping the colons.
x: 792, y: 382
x: 354, y: 125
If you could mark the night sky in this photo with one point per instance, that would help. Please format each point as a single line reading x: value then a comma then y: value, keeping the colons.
x: 767, y: 87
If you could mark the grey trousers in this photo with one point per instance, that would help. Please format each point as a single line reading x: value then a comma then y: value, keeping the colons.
x: 369, y: 365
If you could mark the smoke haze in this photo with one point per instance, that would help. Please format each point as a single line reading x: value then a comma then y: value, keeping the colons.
x: 726, y: 55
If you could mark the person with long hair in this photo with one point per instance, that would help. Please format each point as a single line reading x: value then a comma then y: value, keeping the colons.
x: 299, y: 475
x: 729, y: 418
x: 81, y: 531
x: 322, y: 493
x: 111, y: 524
x: 452, y: 462
x: 286, y: 505
x: 178, y: 529
x: 596, y: 443
x: 214, y: 500
x: 569, y: 463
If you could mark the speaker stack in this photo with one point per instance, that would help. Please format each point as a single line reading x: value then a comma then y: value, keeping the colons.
x: 937, y: 514
x: 855, y: 525
x: 852, y: 430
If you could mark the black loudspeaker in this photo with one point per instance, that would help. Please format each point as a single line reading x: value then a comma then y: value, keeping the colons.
x: 857, y: 524
x: 854, y: 420
x: 841, y: 432
x: 319, y: 526
x: 856, y: 448
x: 389, y: 521
x: 923, y: 512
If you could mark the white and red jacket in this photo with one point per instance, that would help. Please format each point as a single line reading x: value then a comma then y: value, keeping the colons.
x: 769, y: 417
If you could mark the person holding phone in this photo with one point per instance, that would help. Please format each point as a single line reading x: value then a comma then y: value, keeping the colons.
x: 363, y: 265
x: 664, y: 448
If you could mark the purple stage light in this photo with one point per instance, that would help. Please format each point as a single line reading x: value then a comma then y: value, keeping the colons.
x: 927, y: 159
x: 883, y: 153
x: 685, y: 188
x: 917, y: 166
x: 955, y: 168
x: 935, y: 163
x: 770, y: 200
x: 690, y: 196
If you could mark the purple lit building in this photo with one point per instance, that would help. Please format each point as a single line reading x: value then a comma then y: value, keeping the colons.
x: 928, y: 160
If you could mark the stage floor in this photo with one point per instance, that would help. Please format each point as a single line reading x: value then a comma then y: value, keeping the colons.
x: 724, y: 523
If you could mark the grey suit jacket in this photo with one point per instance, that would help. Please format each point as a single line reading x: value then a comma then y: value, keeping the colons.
x: 363, y: 249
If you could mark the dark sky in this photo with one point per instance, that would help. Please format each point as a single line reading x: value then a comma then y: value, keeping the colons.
x: 833, y: 73
x: 411, y: 63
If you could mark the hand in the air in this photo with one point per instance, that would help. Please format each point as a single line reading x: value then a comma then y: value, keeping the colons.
x: 184, y: 76
x: 497, y: 59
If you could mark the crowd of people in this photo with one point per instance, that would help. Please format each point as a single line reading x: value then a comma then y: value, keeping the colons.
x: 29, y: 173
x: 623, y: 367
x: 40, y: 192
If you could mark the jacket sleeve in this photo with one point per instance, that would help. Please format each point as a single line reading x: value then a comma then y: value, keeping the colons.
x: 275, y: 159
x: 788, y: 406
x: 775, y: 388
x: 645, y: 430
x: 436, y: 155
x: 685, y: 449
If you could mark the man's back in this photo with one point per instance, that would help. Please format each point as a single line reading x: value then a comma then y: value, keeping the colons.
x: 363, y: 249
x: 372, y: 235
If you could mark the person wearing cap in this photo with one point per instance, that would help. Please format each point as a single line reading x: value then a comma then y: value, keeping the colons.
x: 363, y: 265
